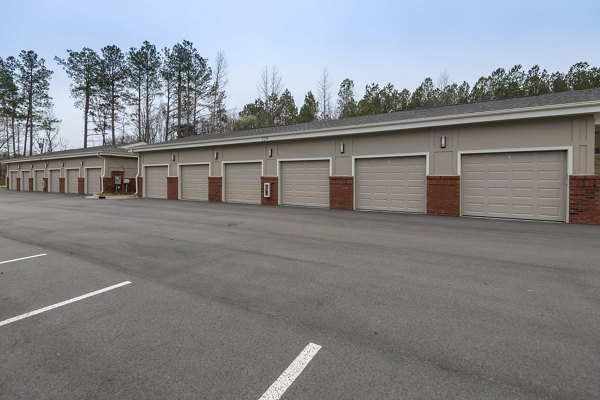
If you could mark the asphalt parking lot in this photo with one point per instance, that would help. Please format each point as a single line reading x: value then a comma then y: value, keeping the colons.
x: 247, y: 302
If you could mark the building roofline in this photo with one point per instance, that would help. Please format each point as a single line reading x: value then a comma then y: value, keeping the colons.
x: 553, y: 110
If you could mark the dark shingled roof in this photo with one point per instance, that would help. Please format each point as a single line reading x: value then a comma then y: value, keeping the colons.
x: 577, y: 96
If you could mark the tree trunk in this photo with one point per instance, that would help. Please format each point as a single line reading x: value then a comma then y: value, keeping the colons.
x: 112, y: 113
x: 86, y: 112
x: 147, y: 133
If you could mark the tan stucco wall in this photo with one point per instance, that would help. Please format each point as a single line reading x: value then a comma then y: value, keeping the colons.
x: 539, y: 133
x: 127, y: 164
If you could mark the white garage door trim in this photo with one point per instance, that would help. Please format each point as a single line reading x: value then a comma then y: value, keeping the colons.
x: 13, y: 184
x: 392, y: 155
x: 568, y: 149
x: 279, y: 178
x: 67, y: 180
x: 36, y: 184
x: 51, y: 188
x: 86, y: 180
x: 180, y: 176
x: 144, y: 167
x: 223, y: 184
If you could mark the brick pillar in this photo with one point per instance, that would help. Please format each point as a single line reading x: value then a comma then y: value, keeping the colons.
x: 61, y: 185
x: 341, y: 192
x: 271, y: 201
x: 584, y: 199
x: 443, y: 195
x: 45, y: 190
x: 214, y: 189
x: 7, y: 181
x: 18, y: 183
x: 108, y: 184
x: 140, y: 186
x: 172, y: 188
x: 80, y: 185
x: 31, y: 184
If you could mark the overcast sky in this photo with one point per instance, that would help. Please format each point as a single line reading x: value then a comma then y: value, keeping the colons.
x: 401, y: 42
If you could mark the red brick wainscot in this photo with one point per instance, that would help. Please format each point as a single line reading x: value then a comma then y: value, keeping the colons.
x: 443, y: 195
x: 18, y: 183
x: 341, y: 192
x: 271, y: 201
x: 61, y: 185
x: 31, y: 184
x: 172, y: 188
x: 80, y: 185
x: 45, y: 190
x: 214, y: 189
x: 140, y: 186
x: 584, y: 199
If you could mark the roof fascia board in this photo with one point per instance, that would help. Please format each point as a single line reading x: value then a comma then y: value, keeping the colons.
x: 72, y: 155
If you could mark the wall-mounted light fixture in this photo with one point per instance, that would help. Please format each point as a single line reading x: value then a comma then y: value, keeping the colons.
x: 342, y: 148
x: 82, y: 163
x: 63, y: 164
x: 31, y: 166
x: 19, y: 166
x: 46, y: 165
x: 270, y: 152
x: 443, y: 141
x: 216, y: 155
x: 172, y: 157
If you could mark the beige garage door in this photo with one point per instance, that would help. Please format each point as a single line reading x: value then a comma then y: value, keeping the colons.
x: 38, y: 181
x: 391, y: 184
x: 72, y: 184
x: 25, y: 181
x: 194, y: 182
x: 528, y: 185
x: 305, y: 183
x: 155, y: 180
x: 92, y: 180
x: 54, y: 181
x: 242, y: 183
x: 13, y: 180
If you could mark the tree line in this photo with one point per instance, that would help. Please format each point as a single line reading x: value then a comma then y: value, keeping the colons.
x: 275, y: 105
x: 155, y: 95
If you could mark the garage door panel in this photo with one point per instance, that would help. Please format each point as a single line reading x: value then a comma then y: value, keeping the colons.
x: 72, y: 177
x: 38, y: 181
x: 391, y: 184
x: 54, y: 181
x: 155, y: 181
x: 305, y: 183
x: 528, y: 185
x: 242, y: 183
x: 13, y: 180
x: 92, y: 180
x: 194, y: 182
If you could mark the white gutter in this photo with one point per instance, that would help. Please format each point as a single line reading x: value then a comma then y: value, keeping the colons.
x: 459, y: 119
x: 137, y: 181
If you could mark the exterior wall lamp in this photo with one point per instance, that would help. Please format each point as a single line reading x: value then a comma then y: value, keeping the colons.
x: 443, y: 141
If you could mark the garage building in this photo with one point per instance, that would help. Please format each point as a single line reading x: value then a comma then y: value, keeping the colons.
x: 78, y: 171
x: 527, y: 158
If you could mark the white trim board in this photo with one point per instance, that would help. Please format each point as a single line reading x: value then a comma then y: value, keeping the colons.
x: 568, y: 149
x: 280, y: 160
x: 179, y: 165
x: 262, y: 173
x: 393, y: 155
x: 144, y: 184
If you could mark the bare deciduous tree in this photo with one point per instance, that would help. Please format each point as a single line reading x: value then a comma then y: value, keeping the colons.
x: 324, y: 95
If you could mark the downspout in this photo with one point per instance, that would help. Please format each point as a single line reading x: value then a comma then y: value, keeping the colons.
x: 103, y: 172
x: 137, y: 180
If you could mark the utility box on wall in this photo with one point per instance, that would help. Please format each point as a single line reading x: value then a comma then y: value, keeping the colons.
x: 267, y: 190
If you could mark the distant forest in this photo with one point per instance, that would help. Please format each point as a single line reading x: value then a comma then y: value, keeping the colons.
x: 155, y: 95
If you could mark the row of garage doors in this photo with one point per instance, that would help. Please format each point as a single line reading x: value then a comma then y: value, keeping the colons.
x: 526, y: 185
x: 92, y: 181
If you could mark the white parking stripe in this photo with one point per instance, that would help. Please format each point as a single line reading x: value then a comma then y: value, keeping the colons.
x: 288, y: 377
x: 23, y: 258
x: 62, y: 303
